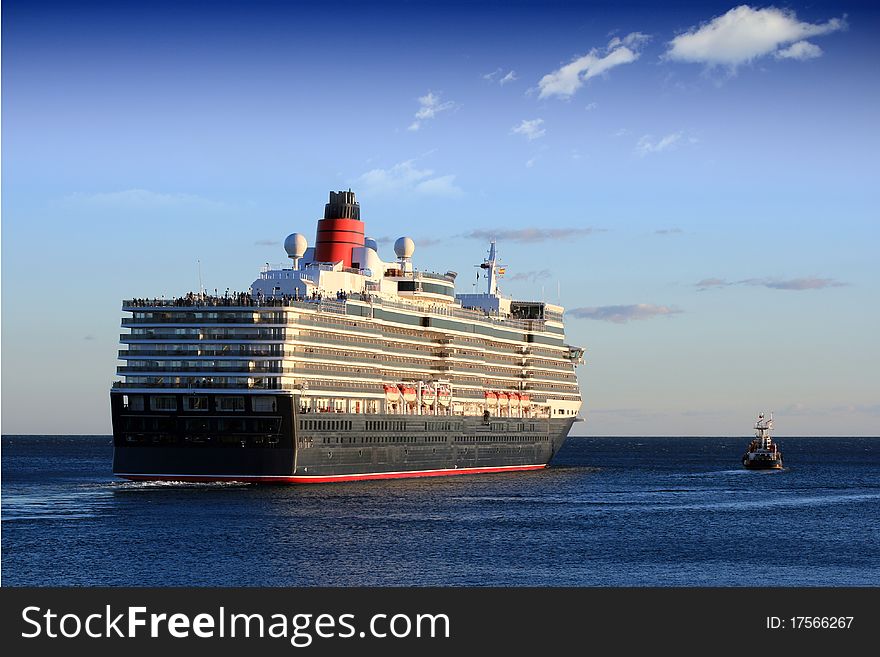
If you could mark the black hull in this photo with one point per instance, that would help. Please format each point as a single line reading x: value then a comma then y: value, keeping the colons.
x: 762, y: 464
x: 315, y: 448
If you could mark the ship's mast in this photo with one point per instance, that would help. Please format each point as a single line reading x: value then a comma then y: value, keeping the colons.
x: 493, y: 280
x: 490, y: 264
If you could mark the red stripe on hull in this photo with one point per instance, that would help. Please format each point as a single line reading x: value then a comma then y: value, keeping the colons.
x: 300, y: 479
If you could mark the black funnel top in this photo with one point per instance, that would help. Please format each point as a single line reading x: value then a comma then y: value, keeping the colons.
x: 342, y: 206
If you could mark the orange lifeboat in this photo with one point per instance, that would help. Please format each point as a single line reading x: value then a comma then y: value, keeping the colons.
x: 392, y: 393
x: 524, y: 400
x: 514, y: 399
x: 409, y: 393
x: 491, y: 398
x: 428, y: 395
x: 444, y: 395
x: 503, y: 400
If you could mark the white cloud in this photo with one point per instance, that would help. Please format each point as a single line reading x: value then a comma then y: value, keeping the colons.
x: 591, y: 106
x: 404, y: 177
x: 633, y: 40
x: 530, y: 129
x: 531, y: 162
x: 800, y: 50
x: 565, y: 81
x: 744, y: 34
x: 439, y: 186
x: 510, y: 77
x: 430, y: 106
x: 646, y: 144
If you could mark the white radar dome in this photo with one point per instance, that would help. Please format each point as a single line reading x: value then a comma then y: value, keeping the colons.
x: 404, y: 247
x: 296, y: 245
x: 370, y: 243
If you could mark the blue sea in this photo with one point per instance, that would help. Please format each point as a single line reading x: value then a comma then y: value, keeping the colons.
x: 609, y: 512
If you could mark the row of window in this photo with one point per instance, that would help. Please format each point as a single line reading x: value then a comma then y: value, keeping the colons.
x: 377, y: 440
x: 184, y: 316
x: 501, y: 439
x: 385, y: 425
x: 259, y: 404
x: 208, y: 333
x: 417, y: 440
x: 200, y: 440
x: 442, y: 426
x: 202, y: 350
x: 325, y: 425
x: 261, y: 425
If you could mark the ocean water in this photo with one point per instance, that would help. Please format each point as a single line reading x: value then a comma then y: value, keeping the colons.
x: 610, y: 512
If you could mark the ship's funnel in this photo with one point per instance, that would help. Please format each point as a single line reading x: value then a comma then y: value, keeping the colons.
x: 340, y: 230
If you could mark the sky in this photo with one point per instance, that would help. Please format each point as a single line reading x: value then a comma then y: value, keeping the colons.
x: 697, y: 183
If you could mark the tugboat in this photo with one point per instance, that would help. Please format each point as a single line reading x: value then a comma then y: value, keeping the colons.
x: 762, y: 453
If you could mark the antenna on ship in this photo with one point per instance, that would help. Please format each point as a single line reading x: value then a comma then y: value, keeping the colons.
x: 201, y: 287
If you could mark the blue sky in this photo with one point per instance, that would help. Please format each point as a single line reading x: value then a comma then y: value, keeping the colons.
x: 697, y: 184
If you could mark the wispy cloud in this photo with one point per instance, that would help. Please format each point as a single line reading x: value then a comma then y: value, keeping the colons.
x: 530, y: 129
x: 531, y: 276
x: 799, y: 408
x: 566, y: 80
x: 647, y: 144
x: 439, y: 186
x: 496, y: 76
x: 744, y: 34
x: 89, y: 337
x: 430, y: 105
x: 530, y: 235
x: 668, y: 231
x: 623, y: 314
x: 404, y: 177
x: 591, y: 106
x: 797, y: 284
x: 268, y: 242
x: 141, y: 198
x: 510, y: 77
x: 708, y: 283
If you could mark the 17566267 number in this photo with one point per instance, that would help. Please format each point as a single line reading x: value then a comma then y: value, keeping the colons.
x: 810, y: 622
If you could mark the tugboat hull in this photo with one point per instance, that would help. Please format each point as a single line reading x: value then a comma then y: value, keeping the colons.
x: 760, y: 462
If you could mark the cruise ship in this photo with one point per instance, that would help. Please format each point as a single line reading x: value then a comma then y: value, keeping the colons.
x: 341, y: 366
